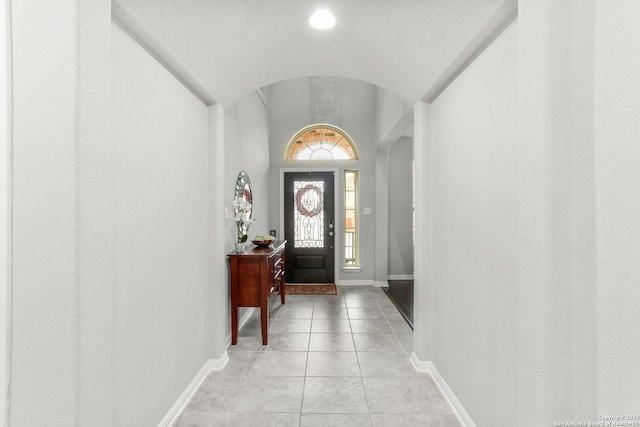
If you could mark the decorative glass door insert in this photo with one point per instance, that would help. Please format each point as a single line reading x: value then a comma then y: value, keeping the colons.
x: 308, y: 214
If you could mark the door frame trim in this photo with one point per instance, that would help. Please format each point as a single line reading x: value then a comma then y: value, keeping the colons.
x: 337, y: 248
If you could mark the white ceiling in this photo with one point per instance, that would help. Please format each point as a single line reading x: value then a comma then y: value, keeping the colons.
x: 229, y: 48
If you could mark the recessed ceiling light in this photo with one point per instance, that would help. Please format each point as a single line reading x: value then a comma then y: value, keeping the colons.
x: 322, y: 20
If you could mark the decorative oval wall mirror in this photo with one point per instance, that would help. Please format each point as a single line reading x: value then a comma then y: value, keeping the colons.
x: 243, y: 200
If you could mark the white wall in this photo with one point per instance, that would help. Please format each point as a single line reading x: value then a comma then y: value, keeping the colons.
x: 160, y: 243
x: 246, y: 148
x: 61, y: 337
x: 578, y: 102
x: 474, y: 214
x: 389, y: 108
x: 617, y: 209
x: 401, y: 208
x: 348, y: 104
x: 577, y: 235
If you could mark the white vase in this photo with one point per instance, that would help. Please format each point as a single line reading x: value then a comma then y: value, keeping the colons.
x: 240, y: 247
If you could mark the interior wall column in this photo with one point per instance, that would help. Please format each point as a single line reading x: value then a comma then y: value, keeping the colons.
x: 584, y: 212
x: 5, y: 211
x: 556, y: 336
x: 382, y: 215
x: 61, y: 371
x: 422, y: 338
x: 217, y: 306
x: 616, y: 130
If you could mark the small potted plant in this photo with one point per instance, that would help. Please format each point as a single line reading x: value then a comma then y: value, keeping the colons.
x: 243, y: 221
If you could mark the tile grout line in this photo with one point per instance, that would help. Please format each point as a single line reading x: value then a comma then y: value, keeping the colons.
x: 306, y: 366
x: 364, y: 390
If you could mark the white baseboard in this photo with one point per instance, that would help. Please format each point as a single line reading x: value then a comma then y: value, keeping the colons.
x: 455, y: 405
x: 420, y: 365
x: 400, y: 277
x: 218, y: 364
x: 381, y: 284
x: 179, y: 406
x: 355, y: 283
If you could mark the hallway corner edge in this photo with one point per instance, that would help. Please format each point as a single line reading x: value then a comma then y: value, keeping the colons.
x: 427, y: 367
x: 179, y: 406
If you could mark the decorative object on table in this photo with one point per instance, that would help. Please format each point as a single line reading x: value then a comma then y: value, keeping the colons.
x: 242, y: 207
x: 240, y: 247
x: 263, y: 241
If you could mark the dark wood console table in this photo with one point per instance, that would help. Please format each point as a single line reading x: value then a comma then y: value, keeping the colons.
x: 255, y: 275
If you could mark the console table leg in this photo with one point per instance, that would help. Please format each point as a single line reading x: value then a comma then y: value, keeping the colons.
x: 234, y: 325
x: 264, y: 317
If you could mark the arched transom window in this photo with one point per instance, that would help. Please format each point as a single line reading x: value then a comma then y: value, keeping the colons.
x: 321, y: 142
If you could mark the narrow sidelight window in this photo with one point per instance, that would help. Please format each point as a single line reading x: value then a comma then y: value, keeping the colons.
x: 351, y: 218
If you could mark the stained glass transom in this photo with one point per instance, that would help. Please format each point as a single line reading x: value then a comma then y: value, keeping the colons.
x: 308, y: 214
x: 321, y: 142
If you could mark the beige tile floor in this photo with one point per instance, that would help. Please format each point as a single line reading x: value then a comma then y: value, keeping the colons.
x: 338, y: 360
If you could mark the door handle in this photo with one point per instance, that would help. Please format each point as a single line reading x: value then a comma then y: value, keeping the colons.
x: 331, y: 234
